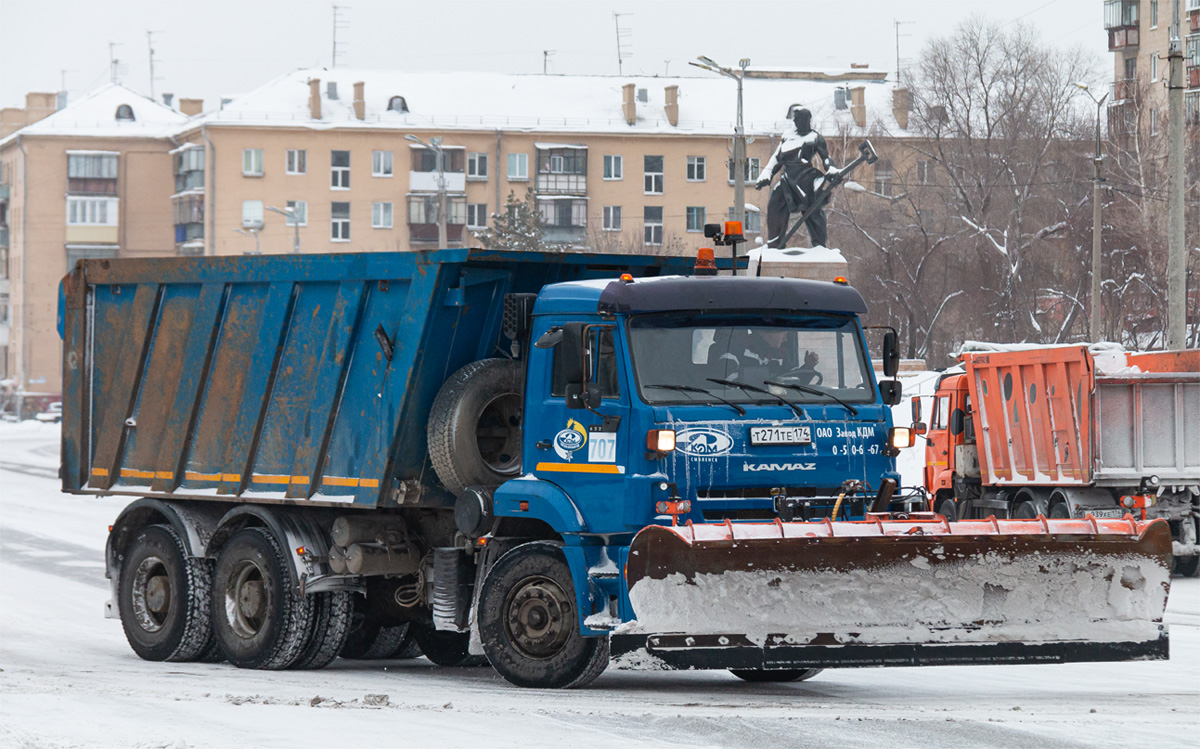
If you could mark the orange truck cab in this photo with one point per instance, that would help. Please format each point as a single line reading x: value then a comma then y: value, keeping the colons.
x: 1068, y: 432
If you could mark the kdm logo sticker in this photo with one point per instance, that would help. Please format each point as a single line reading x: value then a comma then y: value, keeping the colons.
x: 569, y: 440
x: 703, y: 442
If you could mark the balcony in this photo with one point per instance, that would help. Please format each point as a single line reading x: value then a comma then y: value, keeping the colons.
x: 561, y: 169
x: 429, y: 233
x: 1121, y: 22
x: 428, y: 182
x: 3, y: 236
x: 560, y: 184
x: 1123, y: 90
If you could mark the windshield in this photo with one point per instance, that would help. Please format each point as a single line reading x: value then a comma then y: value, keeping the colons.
x: 678, y: 356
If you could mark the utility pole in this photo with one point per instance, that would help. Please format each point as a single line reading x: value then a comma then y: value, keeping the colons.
x: 739, y: 133
x: 1097, y: 225
x: 546, y: 53
x: 1176, y: 252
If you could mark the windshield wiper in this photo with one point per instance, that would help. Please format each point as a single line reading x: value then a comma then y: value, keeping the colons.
x: 689, y: 389
x: 815, y: 391
x: 756, y: 389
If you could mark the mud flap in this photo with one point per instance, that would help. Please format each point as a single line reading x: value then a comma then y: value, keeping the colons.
x: 900, y: 592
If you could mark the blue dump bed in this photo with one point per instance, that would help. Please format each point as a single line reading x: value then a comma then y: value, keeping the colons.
x: 282, y: 378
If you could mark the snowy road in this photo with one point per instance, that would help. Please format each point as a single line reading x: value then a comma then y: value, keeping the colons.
x: 69, y: 679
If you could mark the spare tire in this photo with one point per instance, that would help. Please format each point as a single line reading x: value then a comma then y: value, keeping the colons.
x: 474, y: 429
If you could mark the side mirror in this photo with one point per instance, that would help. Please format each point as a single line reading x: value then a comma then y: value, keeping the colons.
x: 890, y: 391
x: 891, y: 354
x: 919, y: 427
x: 916, y: 409
x: 578, y: 398
x: 550, y: 338
x: 572, y: 353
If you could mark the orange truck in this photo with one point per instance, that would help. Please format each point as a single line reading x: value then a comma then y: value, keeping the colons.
x: 1067, y: 432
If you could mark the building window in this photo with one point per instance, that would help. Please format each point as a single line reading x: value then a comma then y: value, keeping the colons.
x: 652, y: 168
x: 252, y: 214
x: 1130, y: 69
x: 695, y: 168
x: 297, y: 161
x: 477, y: 166
x: 339, y: 220
x: 751, y: 170
x: 1154, y: 67
x: 518, y: 166
x: 614, y: 167
x: 299, y: 210
x: 564, y: 214
x: 381, y: 215
x: 476, y: 215
x: 381, y: 163
x: 883, y: 177
x: 92, y: 211
x: 189, y: 168
x: 1154, y: 14
x: 125, y: 112
x: 752, y: 220
x: 652, y: 218
x: 398, y: 104
x: 924, y: 172
x: 252, y: 162
x: 339, y: 167
x: 612, y: 218
x: 1153, y: 122
x: 695, y: 218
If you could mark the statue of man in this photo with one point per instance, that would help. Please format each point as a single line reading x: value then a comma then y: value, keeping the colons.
x: 803, y: 158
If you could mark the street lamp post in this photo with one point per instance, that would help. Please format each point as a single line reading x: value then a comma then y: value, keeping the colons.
x: 1097, y: 226
x: 739, y: 133
x: 290, y: 215
x: 251, y: 233
x: 435, y: 145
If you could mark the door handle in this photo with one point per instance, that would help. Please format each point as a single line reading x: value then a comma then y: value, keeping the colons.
x: 543, y: 445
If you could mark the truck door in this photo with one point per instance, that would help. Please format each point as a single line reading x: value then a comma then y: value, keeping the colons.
x: 938, y: 468
x: 584, y: 451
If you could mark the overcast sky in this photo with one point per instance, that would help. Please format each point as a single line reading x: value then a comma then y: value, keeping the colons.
x: 213, y: 48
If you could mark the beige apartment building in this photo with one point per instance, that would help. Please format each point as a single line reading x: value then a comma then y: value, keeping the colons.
x: 1139, y: 38
x: 326, y: 160
x: 90, y: 180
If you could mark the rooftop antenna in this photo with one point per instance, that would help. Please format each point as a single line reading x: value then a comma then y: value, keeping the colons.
x: 150, y: 46
x: 113, y: 62
x: 546, y: 54
x: 340, y: 23
x: 624, y: 43
x: 666, y: 68
x: 63, y: 78
x: 898, y: 24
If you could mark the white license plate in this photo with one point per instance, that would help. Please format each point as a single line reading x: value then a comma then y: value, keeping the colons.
x: 780, y: 436
x: 1104, y: 513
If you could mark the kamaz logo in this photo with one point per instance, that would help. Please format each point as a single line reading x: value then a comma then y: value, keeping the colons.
x: 703, y: 442
x: 755, y: 467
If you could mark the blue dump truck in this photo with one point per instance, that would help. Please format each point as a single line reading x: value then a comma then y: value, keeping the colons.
x: 551, y: 461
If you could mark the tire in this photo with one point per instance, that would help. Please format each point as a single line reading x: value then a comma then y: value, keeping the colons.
x: 1025, y: 511
x: 474, y: 428
x: 328, y: 631
x: 410, y: 649
x: 258, y: 621
x: 529, y: 623
x: 1060, y: 511
x: 370, y: 641
x: 763, y: 677
x: 1187, y: 566
x: 445, y: 648
x: 165, y: 598
x: 948, y: 508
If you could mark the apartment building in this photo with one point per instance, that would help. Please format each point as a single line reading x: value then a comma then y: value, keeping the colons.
x: 1139, y: 36
x: 340, y: 160
x: 92, y: 179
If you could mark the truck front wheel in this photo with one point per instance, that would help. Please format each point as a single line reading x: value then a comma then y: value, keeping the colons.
x: 257, y: 619
x: 530, y: 625
x: 164, y: 598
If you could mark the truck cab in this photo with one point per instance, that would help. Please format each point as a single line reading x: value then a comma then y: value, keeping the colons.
x: 951, y: 455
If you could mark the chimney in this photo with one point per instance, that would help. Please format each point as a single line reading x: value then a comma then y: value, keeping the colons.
x: 39, y: 106
x: 168, y: 98
x: 900, y: 106
x: 191, y: 107
x: 314, y: 98
x: 360, y: 106
x: 858, y: 105
x: 672, y: 105
x: 628, y: 104
x: 12, y: 119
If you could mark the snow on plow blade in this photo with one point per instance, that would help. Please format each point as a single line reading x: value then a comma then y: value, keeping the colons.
x: 899, y: 592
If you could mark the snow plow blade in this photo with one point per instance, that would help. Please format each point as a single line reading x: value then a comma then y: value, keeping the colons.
x: 883, y: 592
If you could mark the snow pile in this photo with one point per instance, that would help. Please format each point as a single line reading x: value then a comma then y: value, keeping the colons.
x: 985, y: 598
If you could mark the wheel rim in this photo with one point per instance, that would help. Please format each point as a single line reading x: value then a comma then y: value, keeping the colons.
x: 246, y: 599
x: 538, y: 620
x: 151, y: 594
x: 498, y: 434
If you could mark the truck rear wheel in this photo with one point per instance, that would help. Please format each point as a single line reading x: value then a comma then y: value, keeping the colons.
x: 762, y: 677
x: 474, y: 428
x: 529, y: 622
x: 445, y: 648
x: 328, y: 631
x: 259, y: 622
x: 1187, y: 534
x: 164, y: 598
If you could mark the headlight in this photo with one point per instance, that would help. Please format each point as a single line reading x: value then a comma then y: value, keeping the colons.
x: 900, y: 437
x: 660, y: 440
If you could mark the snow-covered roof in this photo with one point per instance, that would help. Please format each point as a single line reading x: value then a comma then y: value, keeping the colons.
x: 95, y: 115
x: 549, y: 103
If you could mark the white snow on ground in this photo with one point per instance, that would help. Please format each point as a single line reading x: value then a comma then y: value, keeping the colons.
x: 68, y: 679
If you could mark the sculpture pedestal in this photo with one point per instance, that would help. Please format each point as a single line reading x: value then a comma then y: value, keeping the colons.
x: 812, y: 263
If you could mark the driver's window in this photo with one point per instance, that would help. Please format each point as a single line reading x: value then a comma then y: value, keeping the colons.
x: 600, y: 363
